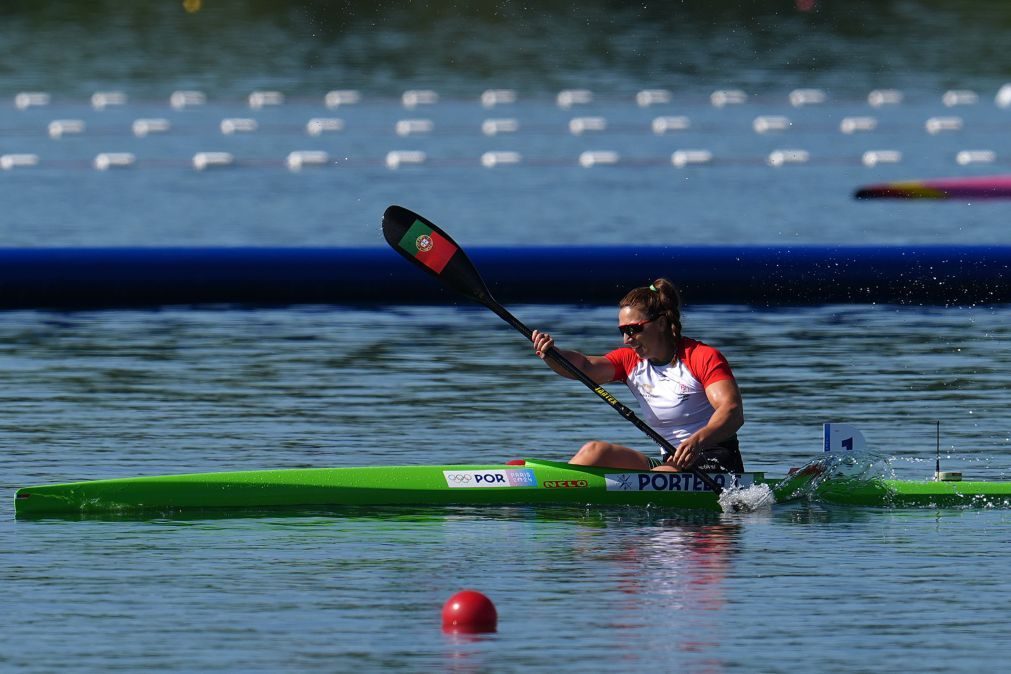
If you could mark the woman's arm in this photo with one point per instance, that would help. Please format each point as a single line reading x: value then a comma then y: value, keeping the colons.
x: 727, y: 418
x: 597, y: 368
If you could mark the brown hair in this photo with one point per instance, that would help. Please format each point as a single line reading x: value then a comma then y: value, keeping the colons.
x: 661, y: 298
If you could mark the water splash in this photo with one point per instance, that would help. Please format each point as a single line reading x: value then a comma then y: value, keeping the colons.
x: 753, y: 498
x: 864, y: 466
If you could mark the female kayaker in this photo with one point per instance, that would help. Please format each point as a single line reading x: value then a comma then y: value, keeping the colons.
x: 686, y: 389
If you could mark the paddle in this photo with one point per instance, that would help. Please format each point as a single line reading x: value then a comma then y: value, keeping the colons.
x: 427, y: 246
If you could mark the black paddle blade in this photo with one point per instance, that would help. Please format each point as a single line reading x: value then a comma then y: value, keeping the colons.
x: 423, y: 243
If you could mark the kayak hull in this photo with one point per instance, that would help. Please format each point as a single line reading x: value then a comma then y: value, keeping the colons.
x: 534, y: 482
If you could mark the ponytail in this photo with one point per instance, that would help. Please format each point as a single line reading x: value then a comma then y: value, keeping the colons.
x: 660, y: 298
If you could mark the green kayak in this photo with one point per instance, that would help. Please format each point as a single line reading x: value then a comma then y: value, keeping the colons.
x: 529, y: 482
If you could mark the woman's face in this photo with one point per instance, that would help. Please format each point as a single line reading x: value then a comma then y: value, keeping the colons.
x: 651, y: 339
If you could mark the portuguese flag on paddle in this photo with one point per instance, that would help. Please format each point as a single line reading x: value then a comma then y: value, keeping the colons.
x: 427, y: 246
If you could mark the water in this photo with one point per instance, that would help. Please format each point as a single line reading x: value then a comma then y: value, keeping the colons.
x: 113, y: 394
x: 93, y: 395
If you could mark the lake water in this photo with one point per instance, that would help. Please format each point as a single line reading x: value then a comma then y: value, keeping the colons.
x: 107, y: 394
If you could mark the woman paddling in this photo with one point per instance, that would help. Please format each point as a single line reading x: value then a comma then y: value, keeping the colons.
x: 685, y: 388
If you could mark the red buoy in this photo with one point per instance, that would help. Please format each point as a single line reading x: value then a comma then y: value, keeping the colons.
x: 469, y: 611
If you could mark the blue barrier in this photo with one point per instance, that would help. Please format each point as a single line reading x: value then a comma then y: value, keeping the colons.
x: 79, y: 278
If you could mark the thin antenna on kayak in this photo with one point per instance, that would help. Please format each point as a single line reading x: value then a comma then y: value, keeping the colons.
x: 947, y: 476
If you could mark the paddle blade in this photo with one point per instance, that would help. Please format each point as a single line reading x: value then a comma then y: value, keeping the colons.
x: 424, y: 244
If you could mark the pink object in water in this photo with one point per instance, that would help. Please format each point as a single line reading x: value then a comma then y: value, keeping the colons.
x: 980, y: 187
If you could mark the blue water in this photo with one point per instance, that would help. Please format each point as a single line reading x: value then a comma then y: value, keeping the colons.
x: 548, y: 198
x: 112, y: 394
x: 802, y: 586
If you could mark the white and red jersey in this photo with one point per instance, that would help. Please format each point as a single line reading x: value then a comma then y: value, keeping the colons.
x: 673, y: 395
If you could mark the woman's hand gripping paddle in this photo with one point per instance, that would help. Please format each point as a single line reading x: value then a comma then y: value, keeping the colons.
x: 424, y: 244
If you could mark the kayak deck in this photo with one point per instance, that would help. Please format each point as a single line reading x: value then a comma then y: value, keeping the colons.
x: 531, y: 482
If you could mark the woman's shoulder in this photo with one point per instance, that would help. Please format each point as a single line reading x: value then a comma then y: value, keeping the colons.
x: 624, y: 354
x: 705, y: 362
x: 688, y: 345
x: 624, y: 358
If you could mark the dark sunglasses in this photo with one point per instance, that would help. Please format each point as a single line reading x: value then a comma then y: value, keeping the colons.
x: 631, y: 329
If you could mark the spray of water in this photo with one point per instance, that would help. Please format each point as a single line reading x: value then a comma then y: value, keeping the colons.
x: 803, y: 483
x: 863, y: 466
x: 750, y: 499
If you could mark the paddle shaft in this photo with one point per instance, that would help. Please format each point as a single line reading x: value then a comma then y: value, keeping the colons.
x: 615, y: 404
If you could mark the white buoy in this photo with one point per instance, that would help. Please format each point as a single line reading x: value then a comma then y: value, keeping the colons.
x: 493, y: 127
x: 107, y: 160
x: 598, y: 158
x: 880, y: 97
x: 493, y: 159
x: 858, y: 124
x: 966, y: 157
x: 801, y: 97
x: 234, y: 125
x: 31, y: 99
x: 648, y: 97
x: 13, y: 161
x: 875, y: 157
x: 724, y: 97
x: 186, y: 98
x: 769, y: 123
x: 339, y: 97
x: 410, y: 127
x: 936, y: 125
x: 144, y: 127
x: 317, y: 126
x: 58, y: 128
x: 300, y: 158
x: 1003, y: 97
x: 959, y: 97
x: 262, y: 99
x: 398, y: 158
x: 101, y: 100
x: 492, y: 97
x: 580, y: 125
x: 682, y: 158
x: 206, y: 160
x: 569, y: 97
x: 782, y: 157
x: 662, y: 125
x: 412, y: 98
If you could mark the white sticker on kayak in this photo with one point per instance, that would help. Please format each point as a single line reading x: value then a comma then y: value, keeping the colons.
x: 520, y: 477
x: 670, y: 481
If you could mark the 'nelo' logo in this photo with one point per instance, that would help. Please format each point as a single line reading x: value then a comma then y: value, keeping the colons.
x: 424, y: 243
x: 566, y: 484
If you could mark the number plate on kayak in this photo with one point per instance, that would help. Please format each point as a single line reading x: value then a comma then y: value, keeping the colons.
x: 669, y: 481
x: 521, y: 477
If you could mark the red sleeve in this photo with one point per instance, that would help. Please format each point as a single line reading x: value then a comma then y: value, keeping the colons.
x: 624, y: 361
x: 704, y: 362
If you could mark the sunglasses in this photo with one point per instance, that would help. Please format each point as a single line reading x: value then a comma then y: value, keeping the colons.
x: 632, y: 329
